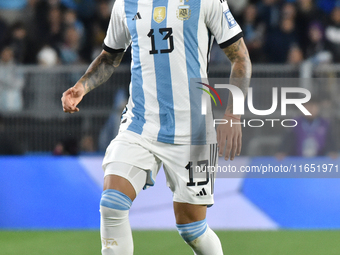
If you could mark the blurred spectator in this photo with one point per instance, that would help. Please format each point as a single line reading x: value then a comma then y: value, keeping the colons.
x: 12, y: 10
x: 54, y: 33
x: 24, y: 49
x: 7, y: 146
x: 332, y: 35
x: 87, y: 144
x: 269, y: 13
x: 295, y: 55
x: 47, y: 56
x: 279, y: 42
x: 3, y: 32
x: 315, y: 50
x: 85, y: 10
x: 30, y: 9
x: 11, y: 82
x: 67, y: 146
x: 71, y: 20
x: 99, y: 27
x: 315, y: 40
x: 308, y: 14
x: 41, y: 23
x: 288, y: 11
x: 70, y: 48
x: 311, y: 137
x: 264, y: 22
x: 253, y: 31
x: 44, y: 100
x: 103, y: 14
x: 19, y: 42
x: 237, y: 7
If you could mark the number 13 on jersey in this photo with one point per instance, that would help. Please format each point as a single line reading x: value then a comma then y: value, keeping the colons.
x: 166, y: 32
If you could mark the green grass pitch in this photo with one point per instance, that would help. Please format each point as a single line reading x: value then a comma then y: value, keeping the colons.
x: 170, y: 243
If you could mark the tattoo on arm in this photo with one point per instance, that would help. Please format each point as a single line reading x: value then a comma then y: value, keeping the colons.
x: 100, y: 70
x: 240, y: 70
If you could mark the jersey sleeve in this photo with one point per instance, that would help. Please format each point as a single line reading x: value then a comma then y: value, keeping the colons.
x: 221, y: 23
x: 118, y: 36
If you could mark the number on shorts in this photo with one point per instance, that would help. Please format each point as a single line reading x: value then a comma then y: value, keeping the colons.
x: 203, y: 165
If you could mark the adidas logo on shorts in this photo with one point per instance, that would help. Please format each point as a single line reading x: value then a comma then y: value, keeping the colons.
x: 201, y: 193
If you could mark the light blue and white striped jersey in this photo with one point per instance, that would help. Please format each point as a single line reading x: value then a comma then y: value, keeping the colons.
x: 171, y: 41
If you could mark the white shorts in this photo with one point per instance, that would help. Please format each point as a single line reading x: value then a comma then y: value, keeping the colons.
x: 182, y: 164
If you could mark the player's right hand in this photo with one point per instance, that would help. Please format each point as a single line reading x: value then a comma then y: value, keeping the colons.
x: 72, y: 97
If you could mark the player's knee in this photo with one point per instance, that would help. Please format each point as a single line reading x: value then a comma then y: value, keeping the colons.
x: 114, y: 204
x: 192, y: 231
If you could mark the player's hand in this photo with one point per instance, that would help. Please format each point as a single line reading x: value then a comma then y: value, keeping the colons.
x: 72, y: 97
x: 232, y: 135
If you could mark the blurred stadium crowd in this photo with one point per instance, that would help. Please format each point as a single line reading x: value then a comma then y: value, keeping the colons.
x: 51, y: 32
x: 67, y: 35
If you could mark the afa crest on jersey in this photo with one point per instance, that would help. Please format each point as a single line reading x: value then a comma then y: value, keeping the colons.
x: 159, y: 14
x: 183, y: 12
x: 230, y: 19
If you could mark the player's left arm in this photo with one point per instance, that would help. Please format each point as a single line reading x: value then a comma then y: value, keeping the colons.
x: 240, y: 77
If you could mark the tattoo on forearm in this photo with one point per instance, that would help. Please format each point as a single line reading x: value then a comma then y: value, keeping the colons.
x: 100, y: 70
x: 241, y: 69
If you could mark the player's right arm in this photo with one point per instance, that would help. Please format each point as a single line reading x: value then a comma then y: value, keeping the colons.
x: 117, y: 40
x: 98, y: 72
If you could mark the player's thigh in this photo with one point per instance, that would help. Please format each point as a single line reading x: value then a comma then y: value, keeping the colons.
x: 127, y: 164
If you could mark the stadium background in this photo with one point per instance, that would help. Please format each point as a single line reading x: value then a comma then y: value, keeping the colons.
x: 50, y: 170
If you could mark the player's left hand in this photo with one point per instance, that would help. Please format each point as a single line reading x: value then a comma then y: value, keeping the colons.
x: 230, y: 134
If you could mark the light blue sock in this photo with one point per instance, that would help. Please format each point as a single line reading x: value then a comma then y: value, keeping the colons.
x: 200, y: 238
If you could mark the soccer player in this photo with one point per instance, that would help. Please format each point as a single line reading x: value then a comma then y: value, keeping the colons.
x: 162, y: 122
